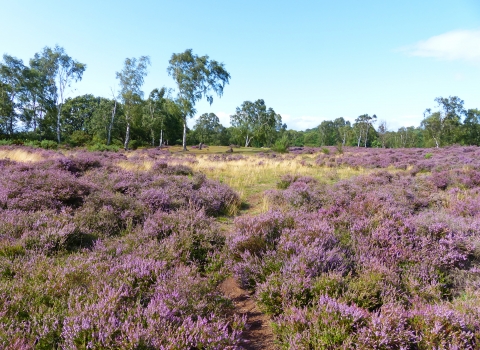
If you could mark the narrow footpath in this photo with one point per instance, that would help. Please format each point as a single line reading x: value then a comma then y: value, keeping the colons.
x: 258, y: 333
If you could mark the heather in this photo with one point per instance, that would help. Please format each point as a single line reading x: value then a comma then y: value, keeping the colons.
x: 375, y: 249
x: 384, y: 260
x: 96, y: 256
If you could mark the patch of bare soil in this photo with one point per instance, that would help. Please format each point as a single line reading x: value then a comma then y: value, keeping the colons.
x: 258, y: 333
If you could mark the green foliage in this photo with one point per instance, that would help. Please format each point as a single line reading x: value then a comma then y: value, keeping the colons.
x: 428, y: 155
x: 5, y: 142
x: 365, y: 290
x: 33, y: 143
x: 254, y: 124
x: 79, y: 138
x: 196, y: 77
x: 102, y: 147
x: 48, y: 144
x: 339, y: 148
x: 207, y: 128
x: 281, y: 145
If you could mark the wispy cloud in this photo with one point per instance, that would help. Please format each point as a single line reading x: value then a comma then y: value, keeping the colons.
x: 455, y: 45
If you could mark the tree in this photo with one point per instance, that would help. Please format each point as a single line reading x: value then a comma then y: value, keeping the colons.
x: 253, y: 120
x: 442, y: 125
x: 383, y: 132
x: 343, y: 130
x: 61, y: 71
x: 102, y: 125
x: 196, y: 78
x: 327, y: 133
x: 35, y: 98
x: 11, y: 78
x: 206, y: 126
x: 156, y: 113
x: 131, y: 80
x: 362, y: 126
x: 77, y: 113
x: 471, y: 126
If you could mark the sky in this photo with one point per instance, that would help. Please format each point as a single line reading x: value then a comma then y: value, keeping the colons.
x: 309, y: 60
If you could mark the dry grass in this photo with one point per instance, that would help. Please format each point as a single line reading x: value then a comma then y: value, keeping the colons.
x: 21, y: 155
x: 251, y: 176
x: 135, y: 166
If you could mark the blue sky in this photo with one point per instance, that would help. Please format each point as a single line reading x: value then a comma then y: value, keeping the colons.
x: 309, y: 60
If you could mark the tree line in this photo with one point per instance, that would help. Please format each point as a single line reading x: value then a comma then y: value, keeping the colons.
x: 447, y: 124
x: 35, y: 106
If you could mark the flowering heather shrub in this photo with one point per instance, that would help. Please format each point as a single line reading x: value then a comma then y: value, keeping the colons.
x: 400, y: 248
x: 93, y: 256
x: 186, y: 235
x: 418, y: 159
x: 225, y: 157
x: 33, y: 189
x: 327, y: 324
x: 387, y: 329
x: 439, y: 326
x: 177, y: 169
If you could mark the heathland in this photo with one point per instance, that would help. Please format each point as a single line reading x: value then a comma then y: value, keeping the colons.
x: 338, y: 247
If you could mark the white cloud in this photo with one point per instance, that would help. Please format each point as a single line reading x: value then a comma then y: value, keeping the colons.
x: 224, y: 118
x: 455, y: 45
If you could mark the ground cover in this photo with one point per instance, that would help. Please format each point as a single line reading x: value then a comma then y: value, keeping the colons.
x: 337, y: 248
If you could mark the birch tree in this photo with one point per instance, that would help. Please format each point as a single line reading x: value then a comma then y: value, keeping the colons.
x: 131, y: 80
x: 196, y: 77
x: 61, y: 71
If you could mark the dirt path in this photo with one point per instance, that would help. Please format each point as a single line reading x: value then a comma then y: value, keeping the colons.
x: 258, y: 333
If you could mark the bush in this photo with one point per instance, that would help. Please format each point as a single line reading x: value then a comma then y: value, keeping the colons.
x: 48, y: 144
x: 101, y: 147
x: 33, y: 143
x: 281, y: 145
x: 79, y: 138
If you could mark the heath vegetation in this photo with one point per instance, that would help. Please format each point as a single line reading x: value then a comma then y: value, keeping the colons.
x: 363, y: 248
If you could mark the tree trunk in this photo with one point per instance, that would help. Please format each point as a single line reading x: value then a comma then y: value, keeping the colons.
x: 366, y: 136
x: 58, y: 122
x: 247, y: 141
x: 184, y: 141
x: 109, y: 138
x: 34, y: 114
x: 127, y: 136
x: 11, y: 125
x: 161, y: 139
x: 153, y: 137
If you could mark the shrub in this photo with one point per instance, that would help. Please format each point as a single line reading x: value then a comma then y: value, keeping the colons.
x: 37, y: 189
x: 98, y: 147
x: 79, y: 138
x: 47, y: 144
x: 281, y: 145
x: 33, y: 143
